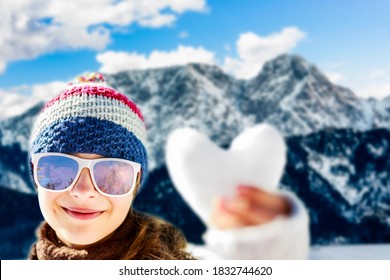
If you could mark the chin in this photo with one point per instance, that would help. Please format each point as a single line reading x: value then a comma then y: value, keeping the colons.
x: 81, y: 240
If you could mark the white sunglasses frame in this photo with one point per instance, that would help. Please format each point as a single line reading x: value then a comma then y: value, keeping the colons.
x: 88, y: 163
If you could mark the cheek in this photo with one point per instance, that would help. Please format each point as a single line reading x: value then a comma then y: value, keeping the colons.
x: 47, y: 202
x: 120, y: 206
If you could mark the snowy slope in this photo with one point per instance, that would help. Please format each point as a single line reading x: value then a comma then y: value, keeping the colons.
x: 297, y: 98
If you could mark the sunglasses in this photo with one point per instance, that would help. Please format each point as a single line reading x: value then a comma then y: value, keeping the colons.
x: 58, y: 172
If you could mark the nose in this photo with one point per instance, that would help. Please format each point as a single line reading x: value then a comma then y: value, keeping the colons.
x: 84, y: 188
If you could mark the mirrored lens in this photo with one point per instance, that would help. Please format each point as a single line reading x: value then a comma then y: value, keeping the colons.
x: 56, y: 172
x: 113, y: 177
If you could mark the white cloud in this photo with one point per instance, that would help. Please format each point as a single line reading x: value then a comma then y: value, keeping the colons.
x: 379, y: 74
x: 184, y: 34
x: 113, y: 62
x: 157, y: 20
x: 375, y: 84
x: 335, y: 65
x: 32, y: 28
x: 47, y: 91
x: 2, y: 67
x: 13, y: 104
x: 376, y: 90
x: 334, y: 71
x: 17, y: 100
x: 334, y: 77
x: 254, y: 50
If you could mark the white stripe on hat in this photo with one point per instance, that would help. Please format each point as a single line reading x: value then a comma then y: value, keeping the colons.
x: 103, y: 108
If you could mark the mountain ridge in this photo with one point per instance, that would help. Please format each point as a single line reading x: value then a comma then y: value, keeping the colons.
x: 288, y: 93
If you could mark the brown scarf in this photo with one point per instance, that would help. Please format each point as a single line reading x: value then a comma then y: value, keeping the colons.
x: 140, y: 237
x: 49, y: 247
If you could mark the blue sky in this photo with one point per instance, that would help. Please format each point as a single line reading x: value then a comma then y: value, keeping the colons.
x: 42, y: 42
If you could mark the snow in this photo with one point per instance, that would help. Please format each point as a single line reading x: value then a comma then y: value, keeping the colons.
x: 279, y: 80
x: 12, y: 104
x: 339, y: 180
x: 290, y: 99
x: 368, y: 112
x: 10, y: 137
x: 351, y: 252
x: 152, y: 84
x: 377, y: 151
x: 208, y: 86
x: 14, y: 182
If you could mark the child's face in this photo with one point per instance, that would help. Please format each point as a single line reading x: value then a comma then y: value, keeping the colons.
x: 82, y: 216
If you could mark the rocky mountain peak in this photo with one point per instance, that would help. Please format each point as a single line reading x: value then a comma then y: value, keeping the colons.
x: 285, y: 64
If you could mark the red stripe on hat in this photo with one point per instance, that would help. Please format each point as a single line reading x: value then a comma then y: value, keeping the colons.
x: 99, y: 91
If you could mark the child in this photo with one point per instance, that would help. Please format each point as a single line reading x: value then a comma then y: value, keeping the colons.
x: 88, y: 160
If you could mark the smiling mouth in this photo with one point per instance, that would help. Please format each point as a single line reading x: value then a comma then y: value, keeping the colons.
x: 82, y: 214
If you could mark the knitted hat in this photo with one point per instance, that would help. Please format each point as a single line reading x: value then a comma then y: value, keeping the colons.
x: 91, y: 117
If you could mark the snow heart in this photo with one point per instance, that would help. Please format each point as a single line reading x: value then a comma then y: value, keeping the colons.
x: 202, y: 171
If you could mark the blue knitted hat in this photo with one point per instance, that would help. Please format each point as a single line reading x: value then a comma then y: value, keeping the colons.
x: 91, y: 117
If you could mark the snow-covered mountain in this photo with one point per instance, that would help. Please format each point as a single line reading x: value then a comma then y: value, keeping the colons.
x: 343, y: 177
x: 298, y: 99
x: 194, y: 95
x: 14, y: 139
x: 380, y: 112
x: 289, y: 93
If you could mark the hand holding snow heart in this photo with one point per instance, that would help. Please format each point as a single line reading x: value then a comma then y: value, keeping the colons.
x: 203, y: 173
